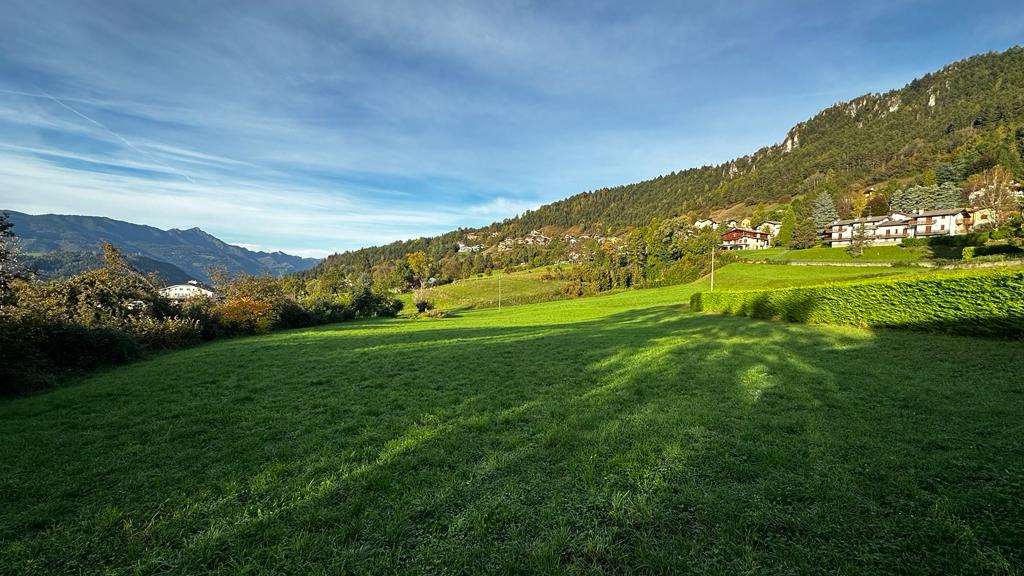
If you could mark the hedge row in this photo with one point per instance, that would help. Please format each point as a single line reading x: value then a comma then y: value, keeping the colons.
x: 988, y: 304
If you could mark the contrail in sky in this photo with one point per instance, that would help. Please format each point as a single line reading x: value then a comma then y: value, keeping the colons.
x: 69, y: 108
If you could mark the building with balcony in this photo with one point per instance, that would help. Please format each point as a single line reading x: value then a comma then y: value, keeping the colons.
x: 745, y: 239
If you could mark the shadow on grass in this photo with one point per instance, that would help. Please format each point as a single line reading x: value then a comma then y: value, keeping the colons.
x: 648, y: 441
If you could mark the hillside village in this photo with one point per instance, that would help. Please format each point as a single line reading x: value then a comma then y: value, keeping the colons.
x: 887, y: 229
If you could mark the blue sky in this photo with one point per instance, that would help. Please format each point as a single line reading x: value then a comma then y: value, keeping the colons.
x: 313, y: 127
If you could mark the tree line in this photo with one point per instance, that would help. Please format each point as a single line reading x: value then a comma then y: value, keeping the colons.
x: 113, y: 313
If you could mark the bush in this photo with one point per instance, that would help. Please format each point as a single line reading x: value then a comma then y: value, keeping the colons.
x: 290, y: 314
x: 245, y: 315
x: 34, y: 352
x: 1007, y: 249
x: 434, y: 313
x: 420, y: 299
x: 328, y: 308
x: 987, y: 304
x: 166, y: 333
x: 968, y: 252
x: 203, y: 311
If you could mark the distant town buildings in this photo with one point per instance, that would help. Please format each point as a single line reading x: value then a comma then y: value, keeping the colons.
x: 191, y: 289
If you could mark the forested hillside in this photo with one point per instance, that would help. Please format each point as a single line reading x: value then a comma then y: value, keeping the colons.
x: 947, y: 126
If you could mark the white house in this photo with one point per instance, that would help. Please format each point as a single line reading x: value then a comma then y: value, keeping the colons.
x: 463, y: 248
x: 892, y: 229
x: 192, y: 289
x: 745, y: 239
x: 877, y: 229
x: 705, y: 223
x: 772, y: 227
x: 949, y: 222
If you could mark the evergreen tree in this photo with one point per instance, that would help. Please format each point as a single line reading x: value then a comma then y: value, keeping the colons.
x: 786, y: 230
x: 937, y: 197
x: 824, y: 210
x: 858, y: 241
x: 805, y: 233
x: 9, y: 268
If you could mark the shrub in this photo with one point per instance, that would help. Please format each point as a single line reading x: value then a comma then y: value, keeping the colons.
x: 434, y: 313
x: 420, y: 299
x: 34, y: 351
x: 978, y: 304
x: 968, y: 252
x: 328, y: 308
x: 203, y: 311
x: 390, y: 307
x: 991, y: 250
x: 246, y: 315
x: 165, y: 333
x: 290, y: 314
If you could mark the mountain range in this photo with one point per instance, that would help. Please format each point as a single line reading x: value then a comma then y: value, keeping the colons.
x: 60, y: 245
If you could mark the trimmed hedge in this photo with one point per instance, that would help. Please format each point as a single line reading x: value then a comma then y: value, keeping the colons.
x: 988, y: 304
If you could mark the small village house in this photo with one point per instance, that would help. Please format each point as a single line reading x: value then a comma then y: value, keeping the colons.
x: 950, y: 222
x: 737, y: 238
x: 772, y: 227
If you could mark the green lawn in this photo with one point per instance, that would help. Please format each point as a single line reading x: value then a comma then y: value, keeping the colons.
x: 482, y: 291
x: 611, y: 434
x: 871, y: 254
x: 745, y: 276
x: 529, y: 287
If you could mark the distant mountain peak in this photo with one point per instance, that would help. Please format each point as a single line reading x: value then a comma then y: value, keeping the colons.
x: 193, y: 250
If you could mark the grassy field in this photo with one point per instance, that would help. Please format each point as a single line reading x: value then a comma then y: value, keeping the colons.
x: 525, y: 287
x: 611, y: 434
x: 871, y: 254
x: 529, y: 287
x: 744, y: 276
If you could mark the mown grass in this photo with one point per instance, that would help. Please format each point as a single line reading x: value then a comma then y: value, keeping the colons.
x: 871, y: 254
x: 747, y: 276
x: 526, y: 287
x: 617, y: 434
x: 530, y: 287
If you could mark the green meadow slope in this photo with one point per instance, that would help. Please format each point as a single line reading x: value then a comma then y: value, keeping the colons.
x: 612, y: 434
x: 526, y: 287
x: 530, y: 286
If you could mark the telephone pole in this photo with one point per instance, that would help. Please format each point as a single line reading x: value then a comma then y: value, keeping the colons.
x: 712, y: 268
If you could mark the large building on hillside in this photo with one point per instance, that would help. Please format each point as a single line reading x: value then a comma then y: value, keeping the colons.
x: 192, y: 289
x: 893, y: 228
x: 890, y: 229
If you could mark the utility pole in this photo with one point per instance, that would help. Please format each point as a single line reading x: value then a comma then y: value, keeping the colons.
x: 712, y: 268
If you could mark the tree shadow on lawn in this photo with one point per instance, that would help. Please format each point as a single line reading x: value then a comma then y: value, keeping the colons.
x: 648, y: 440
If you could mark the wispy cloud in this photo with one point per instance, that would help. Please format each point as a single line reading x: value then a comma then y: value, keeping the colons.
x: 327, y: 126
